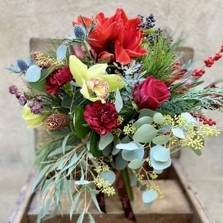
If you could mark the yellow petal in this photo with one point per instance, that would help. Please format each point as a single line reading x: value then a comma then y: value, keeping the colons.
x: 96, y: 70
x: 32, y: 120
x: 78, y: 69
x: 114, y: 82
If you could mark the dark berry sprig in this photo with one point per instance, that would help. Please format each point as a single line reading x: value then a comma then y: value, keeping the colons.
x: 22, y: 98
x: 203, y: 119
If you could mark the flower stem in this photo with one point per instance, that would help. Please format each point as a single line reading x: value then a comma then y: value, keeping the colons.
x: 126, y: 180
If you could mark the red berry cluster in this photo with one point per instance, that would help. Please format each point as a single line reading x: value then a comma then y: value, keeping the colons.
x: 211, y: 60
x: 198, y: 73
x: 203, y: 119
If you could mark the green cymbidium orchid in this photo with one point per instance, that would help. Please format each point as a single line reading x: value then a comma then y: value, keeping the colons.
x: 94, y: 82
x: 32, y: 120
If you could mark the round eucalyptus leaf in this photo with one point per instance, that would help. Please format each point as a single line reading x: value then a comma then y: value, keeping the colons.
x: 120, y: 163
x: 33, y: 73
x: 135, y: 164
x: 178, y: 132
x: 161, y: 140
x: 149, y: 196
x: 108, y: 176
x: 161, y: 154
x: 141, y: 121
x: 133, y: 180
x: 128, y: 146
x: 61, y: 52
x: 145, y: 134
x: 133, y: 155
x: 158, y: 118
x: 189, y: 118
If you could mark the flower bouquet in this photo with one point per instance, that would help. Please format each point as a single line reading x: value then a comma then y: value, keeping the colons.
x: 115, y: 100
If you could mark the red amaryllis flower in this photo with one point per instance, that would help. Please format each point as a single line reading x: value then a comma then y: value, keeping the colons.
x: 150, y: 93
x: 58, y: 79
x: 102, y: 118
x: 116, y: 38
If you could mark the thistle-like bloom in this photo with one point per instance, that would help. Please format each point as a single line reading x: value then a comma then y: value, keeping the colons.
x: 94, y: 82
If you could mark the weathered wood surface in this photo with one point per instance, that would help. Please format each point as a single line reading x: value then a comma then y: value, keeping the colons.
x: 179, y: 205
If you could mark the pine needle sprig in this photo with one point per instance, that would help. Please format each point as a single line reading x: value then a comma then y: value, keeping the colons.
x: 160, y: 59
x: 195, y: 100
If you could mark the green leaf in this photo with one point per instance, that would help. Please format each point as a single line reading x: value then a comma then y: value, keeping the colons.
x: 118, y: 101
x: 133, y: 154
x: 94, y: 145
x: 189, y: 118
x: 141, y: 121
x: 135, y: 164
x: 81, y: 217
x: 178, y: 132
x: 145, y: 134
x: 74, y: 203
x: 129, y: 146
x: 41, y: 176
x: 65, y: 142
x: 149, y: 196
x: 146, y: 112
x: 120, y: 163
x: 158, y: 118
x: 61, y: 52
x: 197, y: 151
x: 81, y: 130
x: 91, y: 218
x: 161, y: 140
x: 105, y: 140
x: 95, y: 201
x: 108, y: 176
x: 33, y: 73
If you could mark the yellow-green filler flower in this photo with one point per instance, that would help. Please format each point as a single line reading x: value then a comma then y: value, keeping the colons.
x: 94, y: 82
x: 32, y: 120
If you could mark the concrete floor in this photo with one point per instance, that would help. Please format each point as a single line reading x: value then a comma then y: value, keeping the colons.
x: 201, y: 22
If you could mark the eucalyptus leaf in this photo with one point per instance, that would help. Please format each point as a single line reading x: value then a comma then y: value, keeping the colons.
x: 91, y: 218
x: 108, y: 176
x: 81, y: 217
x: 129, y: 146
x: 61, y: 52
x: 105, y: 140
x: 133, y: 180
x: 141, y: 121
x: 133, y: 155
x: 178, y: 132
x: 74, y: 204
x: 189, y: 118
x: 146, y: 112
x: 33, y: 73
x: 120, y: 163
x: 161, y: 139
x: 135, y: 164
x: 65, y: 142
x: 41, y: 176
x: 158, y: 118
x: 149, y: 196
x: 95, y: 201
x: 145, y: 134
x: 118, y: 101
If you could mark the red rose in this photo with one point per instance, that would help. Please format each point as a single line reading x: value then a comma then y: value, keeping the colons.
x: 115, y: 38
x: 58, y: 79
x: 102, y: 118
x: 151, y: 93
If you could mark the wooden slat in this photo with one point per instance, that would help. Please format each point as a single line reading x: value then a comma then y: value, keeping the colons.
x: 22, y: 204
x: 173, y: 208
x: 200, y: 212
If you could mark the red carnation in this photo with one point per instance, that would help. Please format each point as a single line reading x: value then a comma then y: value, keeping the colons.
x: 102, y: 118
x: 151, y: 93
x: 116, y: 38
x: 58, y: 79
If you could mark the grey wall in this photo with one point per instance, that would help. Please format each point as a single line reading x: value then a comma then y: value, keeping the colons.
x: 200, y: 21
